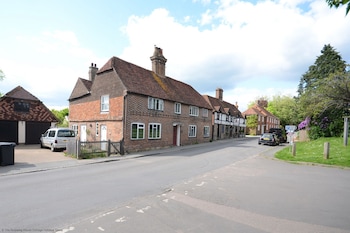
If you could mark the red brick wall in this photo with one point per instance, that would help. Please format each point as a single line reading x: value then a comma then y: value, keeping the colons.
x: 89, y: 113
x: 138, y: 112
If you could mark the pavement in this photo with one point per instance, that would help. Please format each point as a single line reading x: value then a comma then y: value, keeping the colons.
x: 32, y: 158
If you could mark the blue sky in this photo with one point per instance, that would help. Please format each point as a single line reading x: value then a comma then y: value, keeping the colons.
x: 248, y: 48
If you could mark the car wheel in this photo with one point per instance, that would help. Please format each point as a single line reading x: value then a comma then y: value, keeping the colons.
x: 41, y: 145
x: 53, y: 149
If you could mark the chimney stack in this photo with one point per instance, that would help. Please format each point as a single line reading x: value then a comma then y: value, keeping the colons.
x: 219, y: 93
x: 158, y: 62
x: 92, y: 72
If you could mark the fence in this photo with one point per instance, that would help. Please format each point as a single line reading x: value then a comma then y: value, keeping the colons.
x: 84, y: 150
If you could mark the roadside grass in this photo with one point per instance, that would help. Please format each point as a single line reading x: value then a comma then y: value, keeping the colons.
x: 312, y: 152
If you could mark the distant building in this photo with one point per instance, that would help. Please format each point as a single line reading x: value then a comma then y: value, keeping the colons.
x: 265, y: 119
x: 146, y: 109
x: 227, y: 120
x: 23, y: 117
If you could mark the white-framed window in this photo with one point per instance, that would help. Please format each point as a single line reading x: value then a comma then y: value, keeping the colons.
x: 137, y: 131
x: 177, y: 108
x: 156, y: 104
x: 205, y: 112
x: 105, y: 103
x: 194, y: 111
x: 154, y: 131
x: 206, y: 131
x: 97, y: 128
x: 75, y: 128
x: 192, y: 131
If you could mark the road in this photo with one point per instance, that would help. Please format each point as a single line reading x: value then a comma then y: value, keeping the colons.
x: 225, y: 186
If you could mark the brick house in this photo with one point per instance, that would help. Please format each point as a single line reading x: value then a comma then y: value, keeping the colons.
x: 266, y: 120
x: 23, y: 117
x: 146, y: 109
x: 227, y: 120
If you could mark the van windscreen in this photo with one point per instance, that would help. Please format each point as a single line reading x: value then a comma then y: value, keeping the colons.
x: 65, y: 133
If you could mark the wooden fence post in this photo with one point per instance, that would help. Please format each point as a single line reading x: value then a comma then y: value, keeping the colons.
x: 109, y: 148
x: 294, y: 148
x: 326, y: 150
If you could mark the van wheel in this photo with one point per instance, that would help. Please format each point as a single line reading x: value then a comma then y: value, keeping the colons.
x: 53, y: 149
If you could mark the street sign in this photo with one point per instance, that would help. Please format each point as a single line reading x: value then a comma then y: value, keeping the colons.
x: 290, y: 128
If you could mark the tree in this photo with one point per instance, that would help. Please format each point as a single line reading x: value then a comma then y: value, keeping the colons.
x: 323, y: 91
x: 311, y: 83
x: 285, y: 108
x: 61, y: 116
x: 337, y: 3
x: 252, y: 123
x: 2, y: 76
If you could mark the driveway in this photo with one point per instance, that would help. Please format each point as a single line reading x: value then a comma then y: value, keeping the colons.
x: 33, y: 154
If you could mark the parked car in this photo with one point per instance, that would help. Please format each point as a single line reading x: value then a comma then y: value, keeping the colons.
x: 269, y: 139
x: 281, y: 134
x: 57, y: 138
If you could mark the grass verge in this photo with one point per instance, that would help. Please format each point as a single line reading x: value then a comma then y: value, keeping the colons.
x: 312, y: 152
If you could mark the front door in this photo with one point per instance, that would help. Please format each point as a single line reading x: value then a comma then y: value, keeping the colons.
x: 103, y: 137
x: 176, y: 135
x: 83, y: 133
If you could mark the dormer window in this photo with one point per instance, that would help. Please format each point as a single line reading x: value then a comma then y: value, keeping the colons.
x: 21, y: 106
x: 156, y: 104
x: 177, y: 107
x: 194, y: 111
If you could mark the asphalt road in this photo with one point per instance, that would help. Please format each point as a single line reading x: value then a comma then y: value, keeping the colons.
x: 225, y: 186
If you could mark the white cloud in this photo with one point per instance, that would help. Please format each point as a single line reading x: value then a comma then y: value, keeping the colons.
x: 47, y: 65
x: 247, y: 46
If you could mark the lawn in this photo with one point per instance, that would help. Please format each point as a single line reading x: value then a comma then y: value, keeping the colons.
x: 312, y: 152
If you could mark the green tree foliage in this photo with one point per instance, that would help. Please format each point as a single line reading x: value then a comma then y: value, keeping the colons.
x: 2, y: 76
x: 311, y: 98
x: 61, y: 116
x: 285, y: 108
x: 252, y: 122
x: 338, y: 3
x: 323, y: 92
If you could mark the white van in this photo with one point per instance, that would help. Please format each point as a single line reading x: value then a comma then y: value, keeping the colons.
x: 57, y: 138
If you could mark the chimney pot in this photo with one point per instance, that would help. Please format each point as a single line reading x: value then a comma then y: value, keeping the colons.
x: 92, y: 72
x: 219, y: 93
x: 158, y: 62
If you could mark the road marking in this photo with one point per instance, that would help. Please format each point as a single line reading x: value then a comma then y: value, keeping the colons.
x: 201, y: 184
x: 143, y: 209
x: 101, y: 229
x: 122, y: 219
x: 265, y: 223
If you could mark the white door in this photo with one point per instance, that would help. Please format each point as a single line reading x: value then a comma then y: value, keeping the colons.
x: 83, y: 133
x: 103, y: 137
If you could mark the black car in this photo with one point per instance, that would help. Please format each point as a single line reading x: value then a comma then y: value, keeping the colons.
x: 269, y: 139
x: 280, y: 134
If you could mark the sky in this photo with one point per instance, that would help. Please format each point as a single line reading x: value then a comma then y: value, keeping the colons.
x: 249, y: 48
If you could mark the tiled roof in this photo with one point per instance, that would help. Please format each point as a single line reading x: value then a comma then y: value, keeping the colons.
x: 223, y: 106
x: 145, y: 82
x: 258, y: 110
x: 82, y: 88
x: 20, y: 93
x: 37, y: 111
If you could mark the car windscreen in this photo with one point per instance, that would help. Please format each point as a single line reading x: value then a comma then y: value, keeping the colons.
x: 65, y: 133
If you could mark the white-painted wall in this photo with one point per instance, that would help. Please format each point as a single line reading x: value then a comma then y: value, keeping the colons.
x: 21, y: 131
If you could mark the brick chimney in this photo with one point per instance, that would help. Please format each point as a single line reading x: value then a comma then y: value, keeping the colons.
x: 92, y: 72
x: 158, y: 62
x: 262, y: 103
x: 219, y: 93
